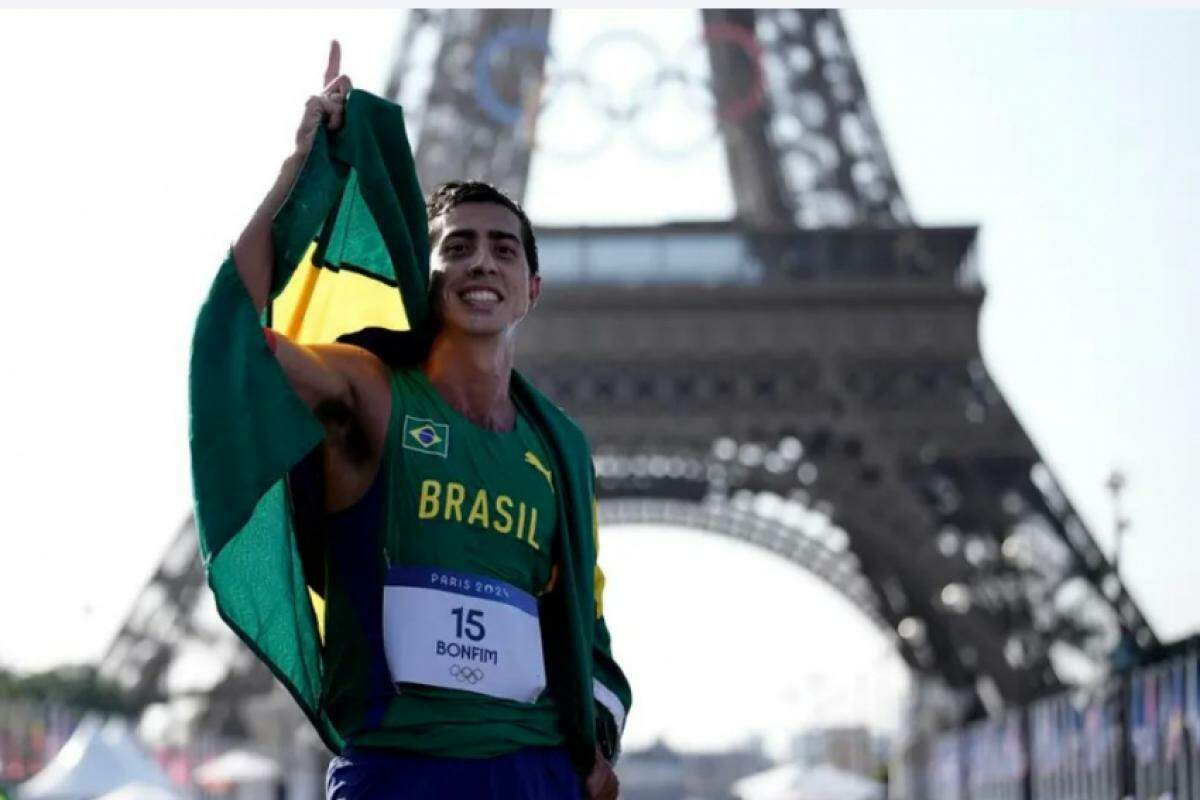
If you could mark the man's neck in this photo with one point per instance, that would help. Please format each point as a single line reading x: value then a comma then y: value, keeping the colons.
x: 472, y: 374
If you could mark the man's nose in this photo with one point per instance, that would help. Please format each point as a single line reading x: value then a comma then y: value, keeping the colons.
x: 482, y: 264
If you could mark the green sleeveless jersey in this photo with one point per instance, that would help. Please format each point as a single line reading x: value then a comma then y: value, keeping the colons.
x: 453, y: 496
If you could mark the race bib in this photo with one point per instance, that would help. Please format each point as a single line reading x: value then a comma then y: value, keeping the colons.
x: 461, y: 631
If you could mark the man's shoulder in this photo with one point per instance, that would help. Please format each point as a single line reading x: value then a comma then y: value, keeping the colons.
x: 369, y: 377
x: 562, y: 425
x: 352, y: 358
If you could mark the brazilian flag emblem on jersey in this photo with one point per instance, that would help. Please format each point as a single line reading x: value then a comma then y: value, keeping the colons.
x: 426, y: 436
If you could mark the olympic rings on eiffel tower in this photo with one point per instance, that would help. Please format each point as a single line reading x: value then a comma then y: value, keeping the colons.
x: 510, y: 38
x: 644, y: 109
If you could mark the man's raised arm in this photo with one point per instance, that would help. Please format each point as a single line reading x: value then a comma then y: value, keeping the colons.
x: 334, y: 379
x: 253, y: 254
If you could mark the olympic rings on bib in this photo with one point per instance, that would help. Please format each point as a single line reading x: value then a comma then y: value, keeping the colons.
x: 465, y: 674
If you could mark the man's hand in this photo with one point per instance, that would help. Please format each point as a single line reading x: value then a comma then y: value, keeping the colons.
x: 329, y: 104
x: 601, y: 783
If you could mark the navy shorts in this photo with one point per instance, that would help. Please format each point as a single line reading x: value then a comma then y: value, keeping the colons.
x: 534, y: 773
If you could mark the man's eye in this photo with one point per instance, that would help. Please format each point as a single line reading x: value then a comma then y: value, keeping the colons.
x: 456, y: 248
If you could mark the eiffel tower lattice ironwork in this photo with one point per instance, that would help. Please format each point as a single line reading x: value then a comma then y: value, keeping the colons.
x: 836, y: 374
x: 805, y: 377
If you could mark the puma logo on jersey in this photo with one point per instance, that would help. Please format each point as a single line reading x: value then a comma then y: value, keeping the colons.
x: 532, y: 460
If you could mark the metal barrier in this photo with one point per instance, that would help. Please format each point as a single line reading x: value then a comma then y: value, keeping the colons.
x: 1076, y: 747
x: 1137, y: 738
x: 995, y: 758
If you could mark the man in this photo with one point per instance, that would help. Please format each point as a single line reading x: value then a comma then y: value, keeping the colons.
x: 443, y: 519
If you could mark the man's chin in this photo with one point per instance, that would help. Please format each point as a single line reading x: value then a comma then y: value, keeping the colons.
x: 472, y: 325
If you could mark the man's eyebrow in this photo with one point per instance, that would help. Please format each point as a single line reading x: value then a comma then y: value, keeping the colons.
x: 469, y: 233
x: 503, y: 235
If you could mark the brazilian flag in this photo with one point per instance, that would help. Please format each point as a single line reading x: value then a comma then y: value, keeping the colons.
x: 350, y: 241
x: 351, y: 264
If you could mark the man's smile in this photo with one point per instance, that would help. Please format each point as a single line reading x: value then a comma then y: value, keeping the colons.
x: 480, y: 296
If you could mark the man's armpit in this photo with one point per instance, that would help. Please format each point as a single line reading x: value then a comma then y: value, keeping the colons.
x: 344, y: 432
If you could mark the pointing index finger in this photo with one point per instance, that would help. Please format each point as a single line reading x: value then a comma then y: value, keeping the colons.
x: 334, y: 67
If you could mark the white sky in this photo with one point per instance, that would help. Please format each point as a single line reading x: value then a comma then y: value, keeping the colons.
x: 136, y: 144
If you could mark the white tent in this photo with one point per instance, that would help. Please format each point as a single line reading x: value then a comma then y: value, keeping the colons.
x: 236, y: 766
x: 98, y: 758
x: 141, y: 791
x: 239, y: 774
x: 795, y: 782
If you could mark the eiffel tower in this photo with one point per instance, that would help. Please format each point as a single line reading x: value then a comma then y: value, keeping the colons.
x: 805, y: 377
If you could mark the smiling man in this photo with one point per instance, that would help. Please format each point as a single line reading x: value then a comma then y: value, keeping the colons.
x: 443, y: 527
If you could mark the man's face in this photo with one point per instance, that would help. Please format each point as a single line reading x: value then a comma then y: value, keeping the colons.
x: 479, y: 272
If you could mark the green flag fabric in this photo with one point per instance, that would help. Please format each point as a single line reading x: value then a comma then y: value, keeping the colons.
x: 351, y: 264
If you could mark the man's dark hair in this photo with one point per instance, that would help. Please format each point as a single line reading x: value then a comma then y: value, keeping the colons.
x: 455, y: 193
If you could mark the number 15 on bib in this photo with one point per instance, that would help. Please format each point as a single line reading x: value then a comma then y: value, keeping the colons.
x: 461, y: 631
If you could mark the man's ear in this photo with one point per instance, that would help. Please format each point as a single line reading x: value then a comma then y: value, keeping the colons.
x: 535, y: 290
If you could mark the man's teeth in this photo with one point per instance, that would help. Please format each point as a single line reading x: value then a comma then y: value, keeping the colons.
x: 480, y: 295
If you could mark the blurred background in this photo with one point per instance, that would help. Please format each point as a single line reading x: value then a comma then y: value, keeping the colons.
x: 880, y: 325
